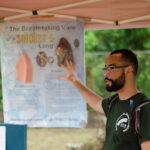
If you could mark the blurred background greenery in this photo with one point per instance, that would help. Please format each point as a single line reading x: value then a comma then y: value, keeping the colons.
x: 99, y: 43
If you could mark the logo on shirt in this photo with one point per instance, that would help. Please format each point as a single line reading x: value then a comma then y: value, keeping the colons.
x: 123, y: 122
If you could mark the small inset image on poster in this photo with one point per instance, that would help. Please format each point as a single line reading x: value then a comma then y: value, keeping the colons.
x: 64, y: 52
x: 41, y: 59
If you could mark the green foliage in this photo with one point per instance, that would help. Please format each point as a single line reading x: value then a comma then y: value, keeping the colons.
x: 94, y: 74
x: 108, y: 40
x: 95, y: 78
x: 143, y: 79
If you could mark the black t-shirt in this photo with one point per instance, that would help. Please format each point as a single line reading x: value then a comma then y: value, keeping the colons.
x: 120, y: 130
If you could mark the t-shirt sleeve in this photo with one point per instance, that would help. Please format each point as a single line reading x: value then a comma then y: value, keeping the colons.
x: 145, y: 123
x: 105, y: 106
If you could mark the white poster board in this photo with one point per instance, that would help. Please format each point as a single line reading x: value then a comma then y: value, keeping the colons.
x: 2, y: 138
x: 31, y: 54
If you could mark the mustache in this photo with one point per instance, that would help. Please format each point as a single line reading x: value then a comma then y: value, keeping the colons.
x: 108, y: 79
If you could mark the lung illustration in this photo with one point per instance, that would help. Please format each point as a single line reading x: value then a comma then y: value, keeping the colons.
x: 24, y: 68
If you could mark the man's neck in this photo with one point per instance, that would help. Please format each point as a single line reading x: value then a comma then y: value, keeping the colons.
x: 127, y: 93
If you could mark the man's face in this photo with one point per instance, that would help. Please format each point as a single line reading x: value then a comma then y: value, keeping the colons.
x: 116, y: 84
x: 114, y: 77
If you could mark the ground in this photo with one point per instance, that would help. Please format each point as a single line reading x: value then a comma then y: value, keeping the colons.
x: 59, y: 138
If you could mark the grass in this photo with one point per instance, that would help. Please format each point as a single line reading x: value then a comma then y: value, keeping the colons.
x: 58, y: 138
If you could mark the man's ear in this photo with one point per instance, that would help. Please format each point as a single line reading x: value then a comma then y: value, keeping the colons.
x: 129, y: 69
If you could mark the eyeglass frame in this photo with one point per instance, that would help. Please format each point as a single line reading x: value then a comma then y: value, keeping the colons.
x: 113, y: 68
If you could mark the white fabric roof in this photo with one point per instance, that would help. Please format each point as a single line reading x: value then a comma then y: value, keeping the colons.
x: 96, y: 14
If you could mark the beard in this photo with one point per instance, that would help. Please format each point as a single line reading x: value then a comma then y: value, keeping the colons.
x: 116, y: 84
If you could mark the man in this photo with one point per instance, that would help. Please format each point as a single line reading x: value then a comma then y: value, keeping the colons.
x: 120, y: 75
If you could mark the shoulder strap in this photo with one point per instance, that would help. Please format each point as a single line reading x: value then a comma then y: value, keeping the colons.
x: 137, y: 115
x: 111, y: 100
x: 145, y: 102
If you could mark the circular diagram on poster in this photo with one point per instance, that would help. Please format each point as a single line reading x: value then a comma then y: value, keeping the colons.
x: 41, y: 59
x: 50, y: 59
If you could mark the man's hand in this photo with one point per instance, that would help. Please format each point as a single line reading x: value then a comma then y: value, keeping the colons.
x: 91, y: 98
x: 70, y: 71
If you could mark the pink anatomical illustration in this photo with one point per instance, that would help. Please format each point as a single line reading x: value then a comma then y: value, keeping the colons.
x: 24, y: 68
x: 64, y: 52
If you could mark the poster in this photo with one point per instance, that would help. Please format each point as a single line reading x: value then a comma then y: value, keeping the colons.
x: 31, y: 54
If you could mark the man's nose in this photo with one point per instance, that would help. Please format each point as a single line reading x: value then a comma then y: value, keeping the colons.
x: 106, y: 73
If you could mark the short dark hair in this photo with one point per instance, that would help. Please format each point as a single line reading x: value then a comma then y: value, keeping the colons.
x: 128, y: 56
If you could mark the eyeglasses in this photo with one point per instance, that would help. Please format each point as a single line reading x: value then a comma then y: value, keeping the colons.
x: 113, y: 68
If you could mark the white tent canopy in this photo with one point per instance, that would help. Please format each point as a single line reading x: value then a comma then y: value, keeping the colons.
x: 96, y: 14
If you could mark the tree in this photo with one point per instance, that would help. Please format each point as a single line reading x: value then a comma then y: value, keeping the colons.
x: 108, y: 40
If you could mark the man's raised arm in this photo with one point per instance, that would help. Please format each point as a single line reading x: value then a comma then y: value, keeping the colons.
x: 91, y: 98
